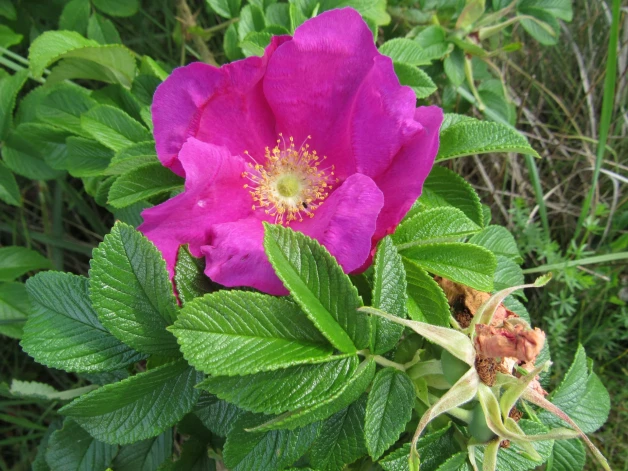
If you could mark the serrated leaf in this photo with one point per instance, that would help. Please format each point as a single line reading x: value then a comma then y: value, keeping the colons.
x: 9, y: 191
x: 62, y: 107
x: 255, y: 43
x: 319, y: 285
x: 270, y: 451
x: 102, y: 30
x: 131, y: 291
x: 434, y: 225
x: 446, y: 188
x: 341, y: 439
x: 388, y: 409
x: 116, y: 62
x: 454, y: 66
x: 507, y: 274
x: 434, y: 449
x: 239, y: 332
x: 35, y: 390
x: 15, y: 261
x: 421, y: 83
x: 581, y: 395
x: 374, y: 10
x: 278, y: 14
x: 300, y: 386
x: 194, y: 456
x: 231, y: 43
x: 146, y: 455
x: 217, y: 415
x: 72, y: 449
x: 389, y: 295
x: 10, y: 85
x: 189, y: 278
x: 64, y: 332
x: 468, y: 264
x: 225, y: 8
x: 142, y: 183
x: 481, y: 137
x: 458, y: 462
x: 351, y: 391
x: 426, y: 300
x: 113, y: 128
x: 568, y: 455
x: 39, y: 463
x: 14, y: 309
x: 118, y: 7
x: 29, y: 148
x: 405, y: 51
x: 498, y: 240
x: 139, y: 407
x: 251, y: 19
x: 85, y: 157
x: 558, y: 8
x: 131, y: 157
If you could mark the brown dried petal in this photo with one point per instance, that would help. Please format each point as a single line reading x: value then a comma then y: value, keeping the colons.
x: 509, y: 341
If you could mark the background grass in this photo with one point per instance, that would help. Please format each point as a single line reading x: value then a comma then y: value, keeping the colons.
x: 558, y: 92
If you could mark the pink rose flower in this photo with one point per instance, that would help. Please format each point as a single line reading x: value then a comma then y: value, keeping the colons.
x: 317, y: 134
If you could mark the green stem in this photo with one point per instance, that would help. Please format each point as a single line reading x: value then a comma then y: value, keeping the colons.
x: 607, y: 113
x: 67, y: 244
x: 380, y: 360
x: 611, y: 257
x: 57, y: 223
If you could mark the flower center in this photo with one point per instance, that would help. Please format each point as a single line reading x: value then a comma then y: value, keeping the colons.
x: 290, y: 184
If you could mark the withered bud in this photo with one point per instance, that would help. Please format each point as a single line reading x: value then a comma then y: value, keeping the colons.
x: 509, y: 340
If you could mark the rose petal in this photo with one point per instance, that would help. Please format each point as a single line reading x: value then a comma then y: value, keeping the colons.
x: 402, y: 182
x: 213, y: 193
x: 236, y: 257
x: 311, y: 82
x: 223, y: 106
x: 346, y: 221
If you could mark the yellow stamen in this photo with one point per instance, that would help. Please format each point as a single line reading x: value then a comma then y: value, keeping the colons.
x: 290, y: 185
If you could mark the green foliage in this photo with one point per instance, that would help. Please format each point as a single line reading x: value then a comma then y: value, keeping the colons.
x: 16, y: 261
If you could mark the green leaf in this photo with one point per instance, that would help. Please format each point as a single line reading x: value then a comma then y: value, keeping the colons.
x: 341, y: 439
x: 388, y: 409
x: 251, y: 19
x: 374, y: 10
x: 193, y: 457
x: 34, y: 390
x: 389, y: 295
x: 8, y: 37
x: 434, y: 225
x: 9, y: 191
x: 132, y: 157
x: 561, y: 9
x: 541, y: 25
x: 255, y: 43
x: 351, y: 391
x: 131, y: 291
x: 507, y: 275
x: 239, y: 332
x: 118, y: 7
x: 46, y: 142
x: 426, y: 300
x: 102, y: 30
x: 446, y: 188
x: 30, y: 147
x: 142, y: 183
x: 74, y: 16
x: 405, y: 51
x: 14, y: 309
x: 63, y: 330
x: 581, y: 395
x: 85, y: 157
x: 115, y: 62
x: 15, y: 261
x: 268, y: 451
x: 189, y: 279
x: 319, y: 285
x: 63, y: 106
x: 226, y: 8
x: 39, y: 463
x: 113, y: 128
x: 139, y: 407
x: 231, y: 43
x: 458, y: 462
x: 498, y: 240
x: 8, y: 10
x: 10, y: 85
x: 278, y: 14
x: 481, y: 137
x: 415, y: 78
x: 454, y: 66
x: 568, y: 455
x: 73, y: 449
x: 217, y: 415
x: 300, y: 386
x: 468, y: 264
x: 434, y: 449
x: 146, y: 455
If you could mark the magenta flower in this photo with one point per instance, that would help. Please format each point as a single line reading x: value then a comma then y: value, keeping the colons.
x: 317, y: 134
